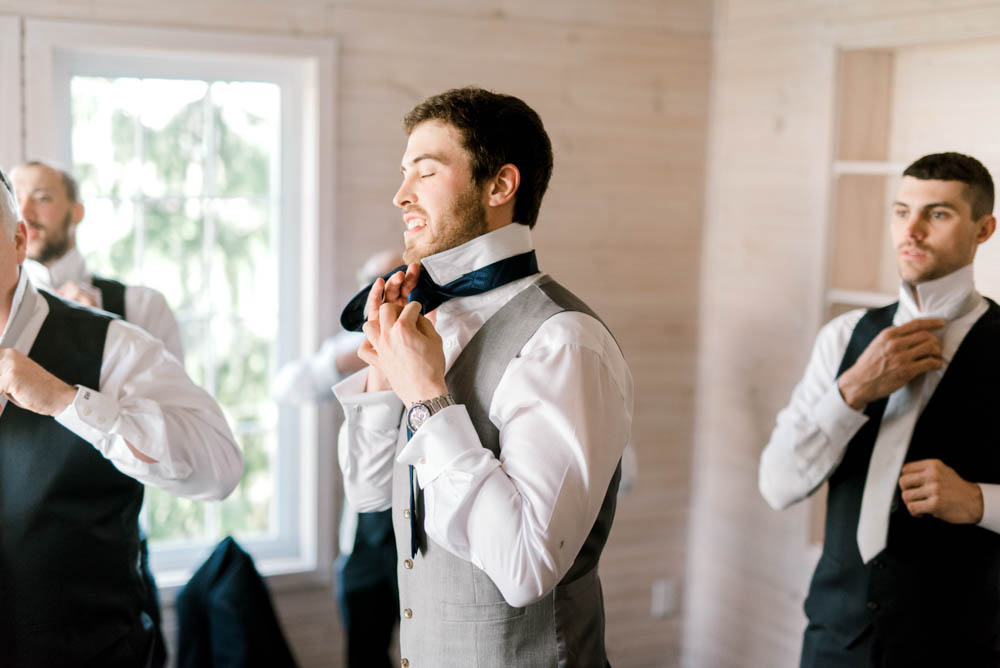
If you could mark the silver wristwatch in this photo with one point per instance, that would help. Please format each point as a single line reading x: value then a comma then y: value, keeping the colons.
x: 419, y: 411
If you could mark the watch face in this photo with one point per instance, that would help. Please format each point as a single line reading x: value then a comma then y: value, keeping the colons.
x: 417, y: 415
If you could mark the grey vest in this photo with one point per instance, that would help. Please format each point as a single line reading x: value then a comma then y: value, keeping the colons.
x: 452, y: 613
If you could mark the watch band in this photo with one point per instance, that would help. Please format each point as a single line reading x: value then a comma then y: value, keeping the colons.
x: 420, y: 411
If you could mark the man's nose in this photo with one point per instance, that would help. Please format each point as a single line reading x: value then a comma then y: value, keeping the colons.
x: 404, y: 196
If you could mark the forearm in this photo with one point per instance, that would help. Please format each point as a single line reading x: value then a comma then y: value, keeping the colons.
x: 367, y: 443
x: 188, y: 450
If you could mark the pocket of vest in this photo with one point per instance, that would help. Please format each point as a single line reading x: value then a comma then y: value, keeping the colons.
x: 484, y: 612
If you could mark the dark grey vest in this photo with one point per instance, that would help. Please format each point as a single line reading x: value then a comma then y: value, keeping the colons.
x: 112, y: 295
x: 69, y: 574
x: 935, y: 588
x: 453, y: 616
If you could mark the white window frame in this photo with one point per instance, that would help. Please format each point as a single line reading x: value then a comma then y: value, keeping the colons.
x: 10, y: 84
x: 57, y: 50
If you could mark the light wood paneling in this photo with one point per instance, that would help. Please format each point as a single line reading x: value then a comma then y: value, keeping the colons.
x: 764, y: 272
x: 623, y: 90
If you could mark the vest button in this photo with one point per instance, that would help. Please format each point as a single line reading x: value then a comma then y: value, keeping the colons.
x: 407, y: 613
x: 404, y: 662
x: 406, y: 513
x: 407, y: 563
x: 872, y: 605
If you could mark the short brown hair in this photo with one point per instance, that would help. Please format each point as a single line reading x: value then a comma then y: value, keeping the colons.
x: 958, y: 167
x: 496, y: 130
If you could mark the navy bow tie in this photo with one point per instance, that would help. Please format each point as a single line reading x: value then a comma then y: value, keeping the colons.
x: 431, y: 295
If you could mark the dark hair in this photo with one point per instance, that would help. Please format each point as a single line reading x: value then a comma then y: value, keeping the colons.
x: 958, y: 167
x: 496, y: 130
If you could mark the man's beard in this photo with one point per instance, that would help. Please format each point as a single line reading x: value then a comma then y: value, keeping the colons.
x: 54, y: 248
x: 465, y: 222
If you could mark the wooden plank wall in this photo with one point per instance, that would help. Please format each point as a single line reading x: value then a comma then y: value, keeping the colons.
x: 623, y: 89
x: 763, y: 269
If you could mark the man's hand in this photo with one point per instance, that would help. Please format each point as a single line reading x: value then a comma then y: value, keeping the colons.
x: 393, y: 291
x: 406, y: 349
x: 893, y: 358
x: 30, y: 386
x: 931, y: 487
x: 80, y: 293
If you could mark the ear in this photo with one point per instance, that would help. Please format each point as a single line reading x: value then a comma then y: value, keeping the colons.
x: 987, y: 225
x: 504, y: 185
x: 21, y: 241
x: 77, y: 213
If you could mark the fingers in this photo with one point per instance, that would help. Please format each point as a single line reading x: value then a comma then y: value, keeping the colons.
x: 394, y: 288
x: 374, y: 299
x: 410, y: 280
x: 410, y: 314
x: 367, y: 353
x: 388, y: 313
x: 919, y: 325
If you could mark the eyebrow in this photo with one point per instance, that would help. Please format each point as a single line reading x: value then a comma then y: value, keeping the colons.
x: 932, y: 205
x: 425, y: 156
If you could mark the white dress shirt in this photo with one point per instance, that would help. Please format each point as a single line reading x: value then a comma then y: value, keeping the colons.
x: 813, y: 431
x: 564, y: 410
x: 147, y: 399
x: 144, y: 306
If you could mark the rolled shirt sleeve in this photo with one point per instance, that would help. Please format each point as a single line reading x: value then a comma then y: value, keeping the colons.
x: 811, y: 433
x: 147, y: 400
x: 367, y: 442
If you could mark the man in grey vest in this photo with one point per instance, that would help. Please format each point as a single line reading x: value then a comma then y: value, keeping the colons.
x: 896, y: 412
x: 91, y: 408
x: 495, y: 408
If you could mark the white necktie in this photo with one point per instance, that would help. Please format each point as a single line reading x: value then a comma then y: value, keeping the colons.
x: 891, y: 445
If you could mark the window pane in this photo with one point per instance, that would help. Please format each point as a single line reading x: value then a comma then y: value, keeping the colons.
x: 179, y: 178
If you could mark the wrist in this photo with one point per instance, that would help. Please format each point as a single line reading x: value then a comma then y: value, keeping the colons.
x: 62, y: 399
x: 426, y: 391
x: 850, y: 393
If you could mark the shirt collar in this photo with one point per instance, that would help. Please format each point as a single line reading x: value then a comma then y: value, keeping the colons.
x: 22, y: 284
x: 70, y: 267
x: 948, y: 297
x: 500, y: 244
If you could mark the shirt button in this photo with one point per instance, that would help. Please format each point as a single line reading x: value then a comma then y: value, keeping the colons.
x: 407, y: 613
x: 87, y: 411
x: 406, y: 513
x: 872, y: 605
x: 422, y: 460
x: 407, y: 563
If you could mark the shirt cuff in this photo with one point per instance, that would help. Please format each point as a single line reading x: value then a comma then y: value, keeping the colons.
x: 837, y: 420
x: 369, y: 410
x: 991, y: 507
x: 90, y: 415
x: 444, y: 437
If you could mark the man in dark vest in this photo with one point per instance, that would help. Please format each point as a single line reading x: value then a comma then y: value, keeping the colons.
x: 92, y: 409
x: 50, y: 205
x: 51, y: 208
x: 895, y: 412
x: 495, y: 408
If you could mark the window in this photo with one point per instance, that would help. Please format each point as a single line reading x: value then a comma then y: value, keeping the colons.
x: 198, y: 180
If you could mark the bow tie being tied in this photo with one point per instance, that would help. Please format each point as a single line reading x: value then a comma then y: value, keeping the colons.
x: 431, y: 295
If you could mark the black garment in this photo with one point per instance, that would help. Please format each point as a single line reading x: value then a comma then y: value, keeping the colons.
x: 112, y: 295
x: 70, y: 587
x: 368, y: 593
x: 225, y: 617
x: 113, y: 301
x: 933, y: 593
